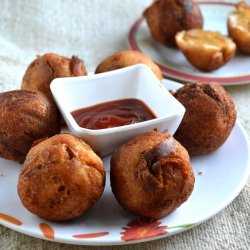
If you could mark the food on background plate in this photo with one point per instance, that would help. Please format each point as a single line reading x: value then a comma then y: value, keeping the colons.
x: 238, y: 23
x: 127, y: 58
x: 61, y: 179
x: 25, y: 116
x: 209, y: 118
x: 167, y: 17
x: 47, y: 67
x: 205, y: 50
x: 151, y: 175
x: 113, y: 114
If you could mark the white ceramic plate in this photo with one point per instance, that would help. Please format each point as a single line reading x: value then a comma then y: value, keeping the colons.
x: 220, y: 177
x: 173, y: 63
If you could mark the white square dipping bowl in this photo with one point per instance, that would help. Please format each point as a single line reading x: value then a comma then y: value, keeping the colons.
x: 136, y: 81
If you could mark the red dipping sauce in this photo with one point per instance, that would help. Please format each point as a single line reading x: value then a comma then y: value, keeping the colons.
x: 113, y: 114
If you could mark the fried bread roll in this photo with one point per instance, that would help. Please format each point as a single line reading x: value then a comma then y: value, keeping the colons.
x: 238, y: 23
x: 151, y: 175
x: 61, y: 179
x: 209, y: 118
x: 205, y: 50
x: 127, y: 58
x: 167, y: 17
x: 47, y: 67
x: 25, y: 116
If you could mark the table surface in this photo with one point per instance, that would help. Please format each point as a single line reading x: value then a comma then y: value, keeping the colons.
x: 93, y: 30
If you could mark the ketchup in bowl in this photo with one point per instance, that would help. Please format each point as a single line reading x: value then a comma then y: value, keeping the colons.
x: 113, y: 114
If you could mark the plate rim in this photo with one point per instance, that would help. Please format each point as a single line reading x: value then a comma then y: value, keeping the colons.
x: 89, y: 242
x: 176, y: 74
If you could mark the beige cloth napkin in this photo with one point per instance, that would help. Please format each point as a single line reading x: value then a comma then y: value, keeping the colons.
x: 94, y: 29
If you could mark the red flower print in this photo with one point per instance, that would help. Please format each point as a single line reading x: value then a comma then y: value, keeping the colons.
x: 141, y: 229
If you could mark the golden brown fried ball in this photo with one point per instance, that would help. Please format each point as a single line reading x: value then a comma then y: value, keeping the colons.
x: 209, y: 118
x: 44, y: 69
x: 238, y: 23
x: 167, y: 17
x: 25, y: 116
x: 151, y: 14
x: 61, y: 179
x: 151, y: 175
x: 127, y: 58
x: 205, y: 50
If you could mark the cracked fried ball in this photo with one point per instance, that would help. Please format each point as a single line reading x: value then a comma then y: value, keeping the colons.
x: 47, y: 67
x: 238, y: 23
x: 151, y: 175
x: 205, y: 50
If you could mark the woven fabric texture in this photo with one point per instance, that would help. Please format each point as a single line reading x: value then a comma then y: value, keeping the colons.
x: 93, y: 30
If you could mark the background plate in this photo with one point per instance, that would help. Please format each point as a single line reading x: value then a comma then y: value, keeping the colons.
x: 173, y: 63
x: 220, y: 176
